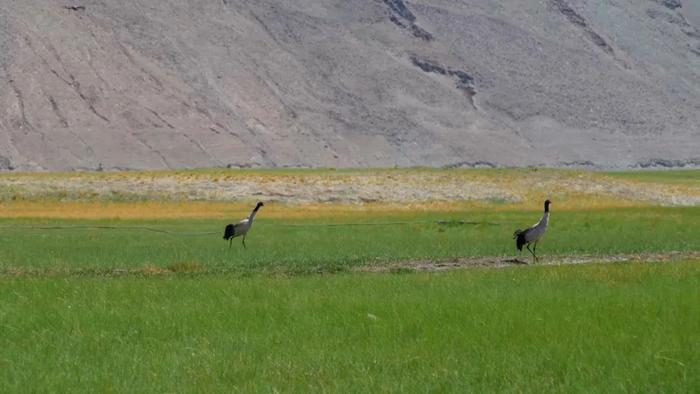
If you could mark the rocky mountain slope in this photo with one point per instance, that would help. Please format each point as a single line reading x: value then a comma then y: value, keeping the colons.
x: 105, y: 84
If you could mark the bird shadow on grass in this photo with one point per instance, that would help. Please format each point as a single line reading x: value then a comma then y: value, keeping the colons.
x: 515, y: 261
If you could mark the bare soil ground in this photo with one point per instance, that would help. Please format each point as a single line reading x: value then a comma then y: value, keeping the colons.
x: 420, y: 265
x: 430, y: 265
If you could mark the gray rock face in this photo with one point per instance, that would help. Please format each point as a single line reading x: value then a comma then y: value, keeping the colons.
x: 105, y: 84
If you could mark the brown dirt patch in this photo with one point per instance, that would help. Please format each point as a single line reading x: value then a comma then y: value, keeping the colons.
x: 418, y: 265
x: 427, y: 265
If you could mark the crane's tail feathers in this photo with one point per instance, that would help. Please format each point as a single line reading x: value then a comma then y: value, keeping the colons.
x: 515, y: 234
x: 229, y: 232
x: 520, y: 240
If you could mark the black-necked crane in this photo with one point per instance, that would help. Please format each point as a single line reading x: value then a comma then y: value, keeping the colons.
x: 234, y: 230
x: 533, y: 234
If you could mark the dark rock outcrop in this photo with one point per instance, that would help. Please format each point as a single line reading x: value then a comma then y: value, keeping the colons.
x: 671, y: 4
x: 5, y: 164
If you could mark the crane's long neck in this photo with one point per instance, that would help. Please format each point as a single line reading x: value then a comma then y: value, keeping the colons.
x: 252, y: 214
x: 545, y: 217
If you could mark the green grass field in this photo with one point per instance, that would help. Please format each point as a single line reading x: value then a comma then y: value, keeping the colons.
x: 326, y: 245
x: 162, y: 304
x: 592, y: 328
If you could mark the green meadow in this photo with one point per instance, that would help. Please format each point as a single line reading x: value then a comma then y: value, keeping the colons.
x: 98, y: 297
x: 332, y: 245
x: 588, y: 328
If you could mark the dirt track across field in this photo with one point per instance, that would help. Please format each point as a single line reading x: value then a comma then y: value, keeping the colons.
x: 422, y: 265
x: 429, y: 265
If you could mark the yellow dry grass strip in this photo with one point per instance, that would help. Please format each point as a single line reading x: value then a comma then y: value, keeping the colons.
x: 194, y: 210
x: 203, y: 210
x: 119, y: 210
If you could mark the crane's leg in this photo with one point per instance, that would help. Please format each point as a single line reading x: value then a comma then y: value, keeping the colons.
x: 230, y: 242
x: 533, y: 253
x: 244, y: 242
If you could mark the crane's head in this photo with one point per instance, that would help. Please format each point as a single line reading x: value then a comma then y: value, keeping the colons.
x: 546, y: 205
x: 260, y: 204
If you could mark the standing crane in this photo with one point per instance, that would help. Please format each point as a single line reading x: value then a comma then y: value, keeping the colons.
x: 234, y: 230
x: 533, y: 234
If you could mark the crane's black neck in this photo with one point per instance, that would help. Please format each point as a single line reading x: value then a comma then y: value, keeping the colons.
x: 546, y: 206
x: 252, y: 214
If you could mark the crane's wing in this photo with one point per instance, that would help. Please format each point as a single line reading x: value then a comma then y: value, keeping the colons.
x: 229, y: 231
x: 519, y: 236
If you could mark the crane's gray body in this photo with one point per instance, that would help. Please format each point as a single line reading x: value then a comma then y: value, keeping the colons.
x: 532, y: 235
x: 241, y: 228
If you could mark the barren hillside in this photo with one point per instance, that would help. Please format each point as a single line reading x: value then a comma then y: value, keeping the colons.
x: 105, y: 84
